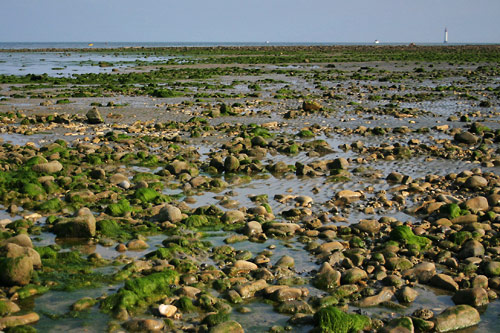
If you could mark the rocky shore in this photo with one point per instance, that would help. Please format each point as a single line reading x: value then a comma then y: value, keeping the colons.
x: 336, y: 197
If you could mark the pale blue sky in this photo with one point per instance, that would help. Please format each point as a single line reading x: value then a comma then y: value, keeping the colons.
x: 420, y: 21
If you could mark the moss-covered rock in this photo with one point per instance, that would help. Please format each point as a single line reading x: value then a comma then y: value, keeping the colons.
x: 32, y: 190
x: 334, y: 320
x: 196, y: 221
x: 451, y: 210
x: 146, y: 194
x: 216, y: 318
x: 52, y: 205
x: 404, y: 235
x: 136, y: 292
x: 120, y: 208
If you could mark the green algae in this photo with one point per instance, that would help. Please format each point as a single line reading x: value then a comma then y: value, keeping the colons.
x: 68, y: 271
x: 35, y: 160
x: 53, y: 205
x: 216, y: 318
x: 185, y: 304
x: 403, y: 234
x: 450, y: 210
x: 32, y: 190
x: 196, y: 221
x: 31, y: 290
x: 21, y: 329
x: 137, y: 292
x: 4, y: 308
x: 460, y: 237
x: 112, y: 229
x: 146, y: 194
x: 119, y: 209
x: 334, y: 320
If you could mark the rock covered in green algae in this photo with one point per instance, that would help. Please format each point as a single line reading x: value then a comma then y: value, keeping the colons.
x: 403, y: 234
x: 146, y: 194
x: 135, y: 292
x: 83, y: 304
x: 119, y: 209
x: 334, y: 320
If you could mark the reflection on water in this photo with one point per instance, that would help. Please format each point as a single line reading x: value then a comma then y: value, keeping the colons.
x: 62, y: 64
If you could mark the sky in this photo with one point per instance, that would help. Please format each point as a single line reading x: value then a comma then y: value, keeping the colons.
x: 313, y: 21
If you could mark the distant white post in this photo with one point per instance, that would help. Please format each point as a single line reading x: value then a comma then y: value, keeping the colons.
x: 445, y: 35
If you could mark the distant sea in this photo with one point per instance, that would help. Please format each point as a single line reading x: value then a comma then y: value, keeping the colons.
x: 82, y: 45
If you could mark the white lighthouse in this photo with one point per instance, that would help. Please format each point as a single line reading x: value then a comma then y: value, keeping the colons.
x: 445, y: 35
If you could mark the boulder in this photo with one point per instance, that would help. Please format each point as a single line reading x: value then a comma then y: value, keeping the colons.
x: 286, y: 262
x: 327, y: 278
x: 340, y: 163
x: 286, y: 294
x: 456, y: 317
x: 244, y: 266
x: 231, y: 164
x: 444, y: 281
x: 349, y: 195
x: 83, y: 225
x: 229, y: 326
x: 353, y: 275
x: 12, y: 250
x: 406, y: 294
x: 423, y: 271
x: 369, y: 226
x: 478, y: 203
x: 383, y: 296
x: 471, y: 248
x: 21, y: 240
x: 49, y: 167
x: 170, y: 213
x: 466, y: 137
x: 248, y: 290
x: 12, y: 321
x: 492, y: 268
x: 94, y: 116
x: 310, y: 106
x: 233, y: 216
x: 16, y: 271
x: 252, y: 228
x: 399, y: 325
x: 475, y: 182
x: 476, y: 296
x: 137, y: 245
x: 144, y: 325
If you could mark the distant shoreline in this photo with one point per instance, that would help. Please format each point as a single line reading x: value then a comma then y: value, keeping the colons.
x: 314, y: 47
